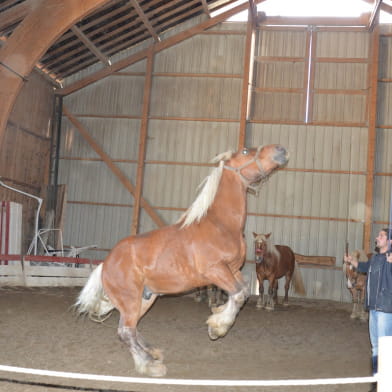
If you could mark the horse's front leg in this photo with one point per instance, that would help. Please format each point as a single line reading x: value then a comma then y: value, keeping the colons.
x: 355, y: 303
x: 224, y: 316
x: 271, y: 300
x: 364, y: 315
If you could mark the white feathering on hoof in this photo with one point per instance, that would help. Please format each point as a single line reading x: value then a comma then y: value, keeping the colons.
x: 92, y: 299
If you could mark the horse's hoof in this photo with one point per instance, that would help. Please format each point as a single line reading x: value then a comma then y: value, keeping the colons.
x: 213, y: 333
x: 217, y: 309
x: 285, y: 304
x: 197, y: 299
x: 157, y: 354
x: 156, y: 369
x: 269, y: 308
x: 259, y: 306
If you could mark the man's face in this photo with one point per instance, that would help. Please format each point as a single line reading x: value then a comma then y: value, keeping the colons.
x: 381, y: 240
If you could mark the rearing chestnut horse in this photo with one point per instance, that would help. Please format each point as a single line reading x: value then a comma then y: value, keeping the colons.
x: 206, y: 246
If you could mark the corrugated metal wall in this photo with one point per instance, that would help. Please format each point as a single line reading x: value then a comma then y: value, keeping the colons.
x: 314, y: 205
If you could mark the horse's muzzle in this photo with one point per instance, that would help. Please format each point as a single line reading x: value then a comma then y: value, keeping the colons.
x: 259, y: 258
x: 281, y: 155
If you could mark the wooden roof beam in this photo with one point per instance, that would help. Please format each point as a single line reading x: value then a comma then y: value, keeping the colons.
x: 205, y: 8
x: 79, y: 33
x: 253, y: 11
x: 384, y: 7
x: 145, y: 20
x: 30, y: 40
x: 316, y: 21
x: 40, y: 69
x: 180, y: 37
x: 374, y: 17
x: 14, y: 14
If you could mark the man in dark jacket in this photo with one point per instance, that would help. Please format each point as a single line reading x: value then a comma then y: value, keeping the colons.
x: 378, y: 291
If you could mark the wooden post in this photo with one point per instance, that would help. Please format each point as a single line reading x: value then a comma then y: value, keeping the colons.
x: 247, y: 77
x: 373, y: 77
x: 142, y: 142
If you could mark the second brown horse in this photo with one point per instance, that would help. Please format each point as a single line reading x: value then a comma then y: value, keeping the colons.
x: 272, y: 263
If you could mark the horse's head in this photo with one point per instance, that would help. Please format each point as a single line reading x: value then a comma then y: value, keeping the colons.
x: 351, y: 271
x: 261, y: 242
x: 254, y: 164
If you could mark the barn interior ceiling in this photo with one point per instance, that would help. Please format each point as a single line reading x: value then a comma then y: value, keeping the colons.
x: 116, y: 26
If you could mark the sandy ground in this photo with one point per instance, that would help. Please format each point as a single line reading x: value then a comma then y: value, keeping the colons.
x: 308, y: 339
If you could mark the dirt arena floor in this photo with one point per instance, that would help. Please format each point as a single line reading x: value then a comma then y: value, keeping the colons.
x: 308, y: 339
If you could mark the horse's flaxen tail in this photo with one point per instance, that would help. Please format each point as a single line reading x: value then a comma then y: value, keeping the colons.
x: 298, y: 283
x: 92, y: 299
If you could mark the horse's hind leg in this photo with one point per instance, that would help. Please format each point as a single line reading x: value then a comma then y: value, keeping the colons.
x: 286, y: 290
x: 354, y: 295
x: 154, y: 352
x: 260, y: 300
x: 145, y: 363
x: 132, y: 307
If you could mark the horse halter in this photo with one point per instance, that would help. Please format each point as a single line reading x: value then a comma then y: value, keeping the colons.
x: 247, y: 181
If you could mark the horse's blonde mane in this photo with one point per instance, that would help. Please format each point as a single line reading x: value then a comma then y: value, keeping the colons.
x: 270, y: 246
x: 206, y: 196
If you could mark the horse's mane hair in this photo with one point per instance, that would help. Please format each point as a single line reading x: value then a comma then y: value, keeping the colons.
x: 271, y: 248
x: 207, y: 193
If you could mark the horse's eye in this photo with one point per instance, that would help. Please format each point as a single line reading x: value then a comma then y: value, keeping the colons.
x: 245, y: 151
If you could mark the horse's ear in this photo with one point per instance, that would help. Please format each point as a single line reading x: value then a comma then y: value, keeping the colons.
x: 255, y: 234
x: 268, y: 235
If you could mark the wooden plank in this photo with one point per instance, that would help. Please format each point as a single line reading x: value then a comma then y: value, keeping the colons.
x: 55, y: 271
x: 39, y: 281
x: 12, y: 281
x: 12, y: 274
x: 315, y: 260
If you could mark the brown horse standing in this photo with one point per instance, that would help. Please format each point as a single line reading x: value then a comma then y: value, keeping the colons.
x: 272, y: 263
x: 356, y: 283
x: 206, y: 246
